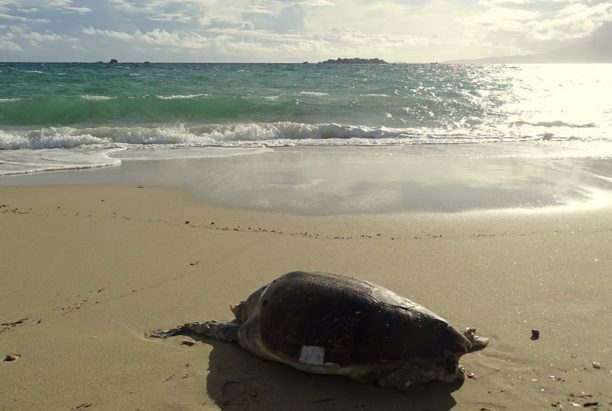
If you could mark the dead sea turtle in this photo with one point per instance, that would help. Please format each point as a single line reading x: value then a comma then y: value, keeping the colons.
x: 329, y: 324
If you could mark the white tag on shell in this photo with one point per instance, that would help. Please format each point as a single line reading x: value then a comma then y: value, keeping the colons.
x: 312, y: 355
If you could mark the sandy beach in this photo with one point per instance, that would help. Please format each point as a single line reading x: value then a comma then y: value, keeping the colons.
x: 160, y: 161
x: 88, y: 270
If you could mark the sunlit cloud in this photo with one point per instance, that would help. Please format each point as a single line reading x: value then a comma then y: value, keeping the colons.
x: 283, y: 30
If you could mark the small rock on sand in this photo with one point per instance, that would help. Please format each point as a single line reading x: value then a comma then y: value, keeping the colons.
x: 596, y: 365
x: 535, y: 334
x: 11, y: 357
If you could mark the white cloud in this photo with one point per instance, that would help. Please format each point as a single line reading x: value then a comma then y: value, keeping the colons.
x: 284, y: 30
x: 178, y: 17
x: 9, y: 45
x: 524, y: 27
x: 4, y: 16
x: 155, y: 37
x: 16, y: 38
x: 34, y: 5
x: 77, y: 10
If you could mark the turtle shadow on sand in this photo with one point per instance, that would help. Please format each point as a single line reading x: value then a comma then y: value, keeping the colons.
x: 240, y: 380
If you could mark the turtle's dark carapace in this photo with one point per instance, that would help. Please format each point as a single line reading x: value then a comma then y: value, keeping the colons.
x: 350, y: 322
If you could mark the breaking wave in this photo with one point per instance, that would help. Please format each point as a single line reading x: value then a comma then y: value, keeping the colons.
x: 259, y: 135
x: 250, y: 135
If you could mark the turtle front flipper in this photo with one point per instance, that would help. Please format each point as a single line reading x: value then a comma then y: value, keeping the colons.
x: 209, y: 329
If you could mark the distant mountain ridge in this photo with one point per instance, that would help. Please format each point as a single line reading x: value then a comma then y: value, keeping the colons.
x: 555, y: 56
x: 594, y: 49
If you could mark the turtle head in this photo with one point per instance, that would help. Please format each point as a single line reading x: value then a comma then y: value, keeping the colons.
x: 448, y: 346
x: 451, y: 341
x: 477, y: 342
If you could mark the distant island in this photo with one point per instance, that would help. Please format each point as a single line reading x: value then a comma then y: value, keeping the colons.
x: 354, y: 60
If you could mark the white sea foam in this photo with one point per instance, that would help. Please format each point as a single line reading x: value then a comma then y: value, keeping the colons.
x: 96, y: 98
x: 556, y: 123
x: 374, y: 95
x: 314, y: 93
x: 181, y: 96
x: 8, y: 100
x: 37, y: 161
x: 63, y: 137
x: 30, y: 161
x: 269, y: 135
x: 49, y: 148
x: 163, y: 152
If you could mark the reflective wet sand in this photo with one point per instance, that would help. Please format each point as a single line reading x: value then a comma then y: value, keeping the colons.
x: 350, y: 180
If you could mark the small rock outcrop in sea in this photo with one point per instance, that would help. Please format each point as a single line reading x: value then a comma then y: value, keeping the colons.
x: 354, y: 60
x: 113, y: 61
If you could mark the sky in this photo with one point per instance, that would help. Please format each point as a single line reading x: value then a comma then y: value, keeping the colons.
x: 303, y: 30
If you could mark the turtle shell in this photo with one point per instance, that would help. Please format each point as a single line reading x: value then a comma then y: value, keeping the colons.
x: 321, y: 318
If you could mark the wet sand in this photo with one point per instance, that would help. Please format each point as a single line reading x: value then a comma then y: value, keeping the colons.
x: 87, y: 271
x: 350, y: 180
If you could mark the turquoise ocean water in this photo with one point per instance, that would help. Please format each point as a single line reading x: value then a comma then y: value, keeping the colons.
x: 62, y: 116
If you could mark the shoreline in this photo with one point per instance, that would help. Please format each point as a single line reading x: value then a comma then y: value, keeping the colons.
x: 365, y: 180
x: 92, y: 268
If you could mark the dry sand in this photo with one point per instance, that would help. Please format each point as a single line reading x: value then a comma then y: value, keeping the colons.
x: 89, y: 270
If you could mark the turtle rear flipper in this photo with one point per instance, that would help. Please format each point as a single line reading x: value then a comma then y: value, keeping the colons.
x: 209, y: 329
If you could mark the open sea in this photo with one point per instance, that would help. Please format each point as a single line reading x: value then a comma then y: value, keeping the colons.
x: 78, y: 116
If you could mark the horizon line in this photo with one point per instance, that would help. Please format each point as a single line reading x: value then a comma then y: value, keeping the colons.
x: 450, y: 63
